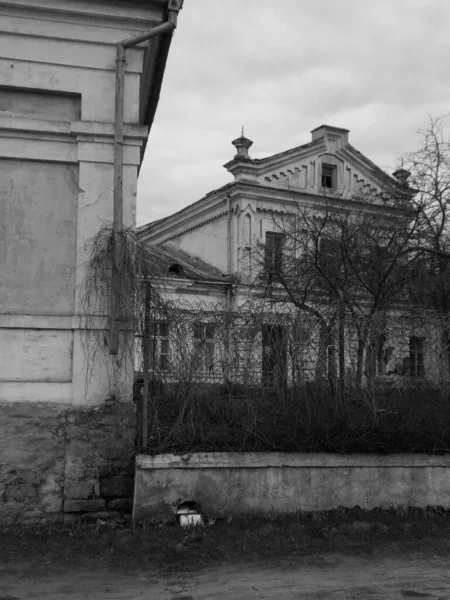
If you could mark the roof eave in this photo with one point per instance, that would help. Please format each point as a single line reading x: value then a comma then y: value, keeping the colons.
x: 155, y: 61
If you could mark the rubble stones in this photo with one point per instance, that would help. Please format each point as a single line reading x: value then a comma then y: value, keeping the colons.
x: 32, y: 462
x: 71, y: 506
x: 55, y: 460
x: 80, y: 489
x: 116, y: 487
x: 125, y: 504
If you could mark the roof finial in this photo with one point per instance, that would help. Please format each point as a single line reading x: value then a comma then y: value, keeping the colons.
x: 242, y: 145
x: 402, y: 175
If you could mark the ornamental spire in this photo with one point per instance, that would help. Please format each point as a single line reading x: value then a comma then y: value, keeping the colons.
x: 242, y: 145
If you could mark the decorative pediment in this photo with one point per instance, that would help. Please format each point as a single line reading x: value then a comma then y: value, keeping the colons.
x: 327, y: 164
x: 322, y: 172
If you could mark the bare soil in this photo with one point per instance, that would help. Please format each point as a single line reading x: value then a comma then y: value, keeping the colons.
x: 340, y: 555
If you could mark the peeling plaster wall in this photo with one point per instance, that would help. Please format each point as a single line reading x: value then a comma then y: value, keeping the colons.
x: 36, y: 355
x: 58, y: 452
x: 37, y: 236
x: 57, y: 94
x: 69, y: 46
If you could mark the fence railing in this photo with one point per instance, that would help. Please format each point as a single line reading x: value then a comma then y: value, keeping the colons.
x: 287, y: 350
x: 222, y: 381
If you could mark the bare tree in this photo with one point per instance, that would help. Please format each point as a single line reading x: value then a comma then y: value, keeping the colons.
x: 429, y: 169
x: 343, y: 263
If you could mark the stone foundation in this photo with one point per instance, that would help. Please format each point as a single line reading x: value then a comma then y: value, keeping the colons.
x: 59, y: 463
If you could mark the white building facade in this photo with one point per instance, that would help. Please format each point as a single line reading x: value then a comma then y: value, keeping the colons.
x: 233, y: 227
x: 57, y: 127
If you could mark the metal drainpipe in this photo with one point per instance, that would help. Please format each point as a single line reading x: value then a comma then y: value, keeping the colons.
x: 168, y: 27
x: 230, y: 287
x: 229, y: 235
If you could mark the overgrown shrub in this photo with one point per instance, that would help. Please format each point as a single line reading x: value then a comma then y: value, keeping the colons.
x: 306, y: 419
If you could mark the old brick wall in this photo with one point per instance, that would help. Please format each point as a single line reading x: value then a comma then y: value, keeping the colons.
x: 59, y: 463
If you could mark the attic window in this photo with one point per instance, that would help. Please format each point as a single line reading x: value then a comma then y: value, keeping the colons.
x: 328, y: 176
x: 175, y: 269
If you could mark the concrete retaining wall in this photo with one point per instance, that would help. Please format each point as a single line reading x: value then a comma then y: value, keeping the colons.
x: 59, y: 463
x: 258, y: 482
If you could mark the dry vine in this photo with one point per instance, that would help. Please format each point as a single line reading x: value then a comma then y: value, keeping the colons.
x: 134, y: 291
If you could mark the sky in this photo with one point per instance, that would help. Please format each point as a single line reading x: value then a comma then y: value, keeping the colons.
x: 280, y: 68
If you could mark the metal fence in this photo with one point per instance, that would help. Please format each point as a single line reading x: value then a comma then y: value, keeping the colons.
x: 196, y: 348
x: 293, y: 382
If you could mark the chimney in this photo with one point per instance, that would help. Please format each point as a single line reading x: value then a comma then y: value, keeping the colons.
x: 334, y: 137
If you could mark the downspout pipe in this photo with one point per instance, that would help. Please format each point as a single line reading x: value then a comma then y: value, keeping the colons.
x: 228, y: 234
x: 165, y: 28
x: 229, y: 267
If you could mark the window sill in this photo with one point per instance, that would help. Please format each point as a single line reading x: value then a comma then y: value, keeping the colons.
x: 334, y: 191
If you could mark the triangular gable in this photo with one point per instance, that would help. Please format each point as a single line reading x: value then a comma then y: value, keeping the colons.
x: 301, y: 168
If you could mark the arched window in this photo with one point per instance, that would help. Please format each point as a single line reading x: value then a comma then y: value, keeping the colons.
x: 175, y: 269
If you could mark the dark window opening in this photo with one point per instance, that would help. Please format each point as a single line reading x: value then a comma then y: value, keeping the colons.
x: 329, y: 254
x: 330, y: 260
x: 273, y: 257
x: 204, y: 346
x: 329, y: 248
x: 175, y: 269
x: 274, y: 359
x: 159, y: 345
x: 417, y: 356
x: 328, y: 176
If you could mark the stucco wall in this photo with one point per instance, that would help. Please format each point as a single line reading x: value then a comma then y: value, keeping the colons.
x: 36, y: 355
x: 255, y: 483
x: 57, y: 114
x: 37, y: 236
x: 57, y: 95
x: 69, y: 46
x: 208, y: 242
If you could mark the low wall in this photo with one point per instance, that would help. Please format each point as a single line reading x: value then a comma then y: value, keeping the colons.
x: 252, y: 483
x: 59, y: 463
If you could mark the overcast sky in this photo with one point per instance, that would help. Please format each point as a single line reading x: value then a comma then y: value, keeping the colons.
x: 281, y: 68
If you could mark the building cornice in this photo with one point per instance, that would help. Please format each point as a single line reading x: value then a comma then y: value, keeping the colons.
x: 279, y: 161
x: 192, y: 227
x: 204, y: 206
x: 180, y: 285
x: 121, y: 11
x: 74, y: 128
x: 370, y: 170
x: 269, y: 199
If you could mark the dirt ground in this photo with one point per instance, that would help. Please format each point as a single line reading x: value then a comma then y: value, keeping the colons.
x: 337, y: 556
x: 333, y: 576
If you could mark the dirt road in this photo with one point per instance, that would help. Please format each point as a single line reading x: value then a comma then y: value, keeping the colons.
x: 316, y: 578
